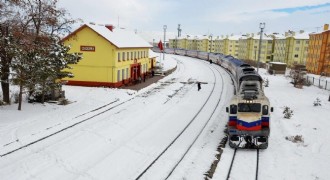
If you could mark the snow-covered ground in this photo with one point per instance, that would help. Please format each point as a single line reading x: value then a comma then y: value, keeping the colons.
x: 114, y: 133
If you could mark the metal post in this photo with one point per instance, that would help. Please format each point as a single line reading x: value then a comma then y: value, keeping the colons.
x: 211, y: 42
x: 326, y: 84
x: 262, y: 26
x: 165, y: 27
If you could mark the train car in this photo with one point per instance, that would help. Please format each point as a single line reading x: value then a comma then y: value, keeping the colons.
x: 192, y: 53
x: 169, y: 50
x: 181, y: 52
x: 203, y: 55
x: 249, y: 110
x: 215, y: 58
x: 248, y: 73
x: 249, y: 115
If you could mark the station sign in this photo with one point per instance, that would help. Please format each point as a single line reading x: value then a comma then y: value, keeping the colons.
x: 87, y: 48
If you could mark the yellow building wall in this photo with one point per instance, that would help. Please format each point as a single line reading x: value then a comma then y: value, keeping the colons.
x: 101, y: 66
x: 279, y: 50
x: 202, y: 45
x: 95, y: 66
x: 296, y: 51
x: 318, y: 59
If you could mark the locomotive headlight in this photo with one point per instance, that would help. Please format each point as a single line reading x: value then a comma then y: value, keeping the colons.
x: 248, y: 101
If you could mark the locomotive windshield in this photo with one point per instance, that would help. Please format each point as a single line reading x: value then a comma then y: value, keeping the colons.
x: 249, y: 107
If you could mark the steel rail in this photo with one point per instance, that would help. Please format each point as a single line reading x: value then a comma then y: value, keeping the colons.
x: 177, y: 137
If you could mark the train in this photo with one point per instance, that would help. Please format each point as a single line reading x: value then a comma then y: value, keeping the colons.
x: 249, y: 109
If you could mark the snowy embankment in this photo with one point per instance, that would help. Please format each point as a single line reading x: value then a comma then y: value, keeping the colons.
x: 298, y: 147
x: 305, y: 157
x: 37, y: 120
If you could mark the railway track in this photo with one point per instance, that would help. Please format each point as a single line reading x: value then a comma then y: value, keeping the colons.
x: 243, y: 164
x: 68, y: 127
x: 183, y: 131
x: 79, y: 120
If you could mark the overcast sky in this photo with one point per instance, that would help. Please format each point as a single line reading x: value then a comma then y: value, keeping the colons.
x: 197, y: 17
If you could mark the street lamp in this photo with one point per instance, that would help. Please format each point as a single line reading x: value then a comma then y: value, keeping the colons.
x: 262, y: 26
x: 211, y: 35
x: 164, y: 27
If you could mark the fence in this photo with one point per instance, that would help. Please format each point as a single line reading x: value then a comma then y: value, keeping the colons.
x: 320, y: 82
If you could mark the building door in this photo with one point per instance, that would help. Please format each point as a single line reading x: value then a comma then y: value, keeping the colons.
x: 152, y: 63
x: 135, y: 71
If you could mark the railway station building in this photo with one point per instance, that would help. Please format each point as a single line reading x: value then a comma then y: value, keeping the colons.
x: 111, y: 57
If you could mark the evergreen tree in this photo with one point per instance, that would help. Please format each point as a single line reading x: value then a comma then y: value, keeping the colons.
x: 34, y: 24
x: 288, y: 113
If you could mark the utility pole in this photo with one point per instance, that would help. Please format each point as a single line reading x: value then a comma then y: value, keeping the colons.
x: 164, y: 27
x: 211, y: 36
x: 179, y: 34
x: 262, y: 26
x: 179, y: 30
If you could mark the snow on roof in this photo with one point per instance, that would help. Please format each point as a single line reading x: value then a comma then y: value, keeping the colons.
x: 235, y: 37
x: 301, y: 35
x: 152, y: 54
x: 279, y: 36
x: 119, y: 37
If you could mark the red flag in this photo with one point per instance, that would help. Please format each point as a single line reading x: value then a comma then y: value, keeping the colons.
x: 160, y: 45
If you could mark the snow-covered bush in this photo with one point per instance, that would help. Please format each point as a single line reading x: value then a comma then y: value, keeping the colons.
x: 288, y: 113
x: 266, y: 82
x: 63, y: 101
x: 317, y: 102
x: 308, y: 82
x: 295, y: 139
x: 15, y: 96
x: 2, y: 103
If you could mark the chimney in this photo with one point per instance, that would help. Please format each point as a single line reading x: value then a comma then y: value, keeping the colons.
x: 326, y: 27
x: 110, y: 27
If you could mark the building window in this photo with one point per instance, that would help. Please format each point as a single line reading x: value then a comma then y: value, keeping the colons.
x: 296, y: 55
x: 124, y: 56
x: 134, y: 55
x: 127, y: 72
x: 127, y: 55
x: 118, y: 75
x: 298, y: 42
x: 123, y: 73
x: 119, y: 56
